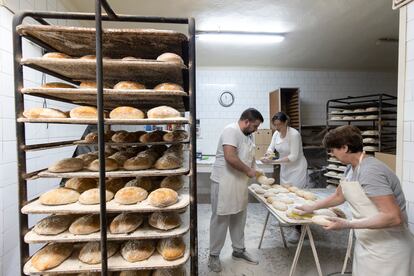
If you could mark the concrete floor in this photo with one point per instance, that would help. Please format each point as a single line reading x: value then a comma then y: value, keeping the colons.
x: 274, y: 258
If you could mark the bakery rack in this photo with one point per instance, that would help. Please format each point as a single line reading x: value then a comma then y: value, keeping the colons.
x: 375, y: 115
x: 103, y: 42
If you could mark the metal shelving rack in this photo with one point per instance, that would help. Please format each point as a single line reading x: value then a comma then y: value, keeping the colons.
x: 22, y: 147
x: 383, y: 121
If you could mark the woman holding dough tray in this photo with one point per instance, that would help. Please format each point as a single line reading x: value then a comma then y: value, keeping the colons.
x: 384, y: 245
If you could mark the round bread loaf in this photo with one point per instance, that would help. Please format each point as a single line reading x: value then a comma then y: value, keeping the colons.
x: 321, y: 220
x: 174, y: 182
x: 43, y: 113
x: 300, y: 193
x: 164, y: 221
x: 51, y: 255
x: 87, y: 84
x: 259, y: 191
x: 91, y: 196
x: 115, y: 184
x: 175, y: 136
x: 91, y: 137
x: 142, y: 182
x: 168, y: 86
x: 125, y: 223
x: 110, y: 165
x: 88, y: 57
x: 144, y: 160
x: 153, y: 136
x: 87, y: 158
x: 130, y: 58
x: 309, y: 196
x: 84, y: 112
x: 91, y: 252
x: 136, y: 273
x: 67, y: 165
x: 59, y: 196
x: 170, y: 57
x: 129, y: 85
x: 120, y: 157
x: 53, y: 225
x: 137, y: 250
x: 130, y: 195
x: 163, y: 111
x: 293, y: 189
x: 176, y: 271
x: 168, y: 162
x: 57, y: 85
x: 278, y: 205
x: 325, y: 212
x: 176, y: 149
x: 85, y: 225
x: 56, y: 55
x: 171, y: 249
x: 163, y: 197
x: 123, y: 136
x: 126, y: 112
x: 81, y: 184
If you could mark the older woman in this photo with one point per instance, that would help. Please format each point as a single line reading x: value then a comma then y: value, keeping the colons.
x: 384, y: 245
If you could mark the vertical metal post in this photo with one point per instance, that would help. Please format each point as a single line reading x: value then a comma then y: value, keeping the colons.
x: 193, y: 182
x: 20, y: 142
x: 101, y: 134
x: 380, y: 123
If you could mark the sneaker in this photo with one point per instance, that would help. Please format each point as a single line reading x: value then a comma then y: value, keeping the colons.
x: 214, y: 263
x: 244, y: 256
x: 294, y: 236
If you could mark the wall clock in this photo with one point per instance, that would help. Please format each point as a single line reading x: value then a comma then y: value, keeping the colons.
x: 226, y: 98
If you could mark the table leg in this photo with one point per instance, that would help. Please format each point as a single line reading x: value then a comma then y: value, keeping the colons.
x: 264, y: 229
x: 315, y: 254
x: 282, y: 233
x: 348, y: 250
x: 298, y: 250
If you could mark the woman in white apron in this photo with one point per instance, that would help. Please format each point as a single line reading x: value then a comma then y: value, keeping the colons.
x: 288, y: 143
x: 384, y: 246
x: 293, y: 165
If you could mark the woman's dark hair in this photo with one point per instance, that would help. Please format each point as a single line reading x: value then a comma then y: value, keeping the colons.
x: 344, y: 136
x: 251, y: 114
x: 281, y: 116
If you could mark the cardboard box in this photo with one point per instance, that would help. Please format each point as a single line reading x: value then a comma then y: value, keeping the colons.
x: 263, y: 136
x: 388, y: 159
x: 260, y: 151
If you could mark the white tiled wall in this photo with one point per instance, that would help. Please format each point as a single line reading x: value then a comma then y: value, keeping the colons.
x: 408, y: 127
x: 251, y: 88
x: 39, y: 133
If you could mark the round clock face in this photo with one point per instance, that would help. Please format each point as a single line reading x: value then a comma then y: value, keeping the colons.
x: 226, y: 98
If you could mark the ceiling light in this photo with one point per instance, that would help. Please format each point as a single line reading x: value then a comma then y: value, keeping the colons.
x: 240, y: 37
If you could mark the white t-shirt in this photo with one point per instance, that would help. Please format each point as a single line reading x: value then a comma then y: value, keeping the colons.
x: 233, y: 136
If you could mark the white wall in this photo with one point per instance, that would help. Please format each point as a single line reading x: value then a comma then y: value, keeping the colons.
x: 39, y: 133
x: 408, y: 117
x: 251, y: 87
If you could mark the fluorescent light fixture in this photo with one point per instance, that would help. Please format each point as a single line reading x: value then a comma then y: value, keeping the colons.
x: 240, y: 37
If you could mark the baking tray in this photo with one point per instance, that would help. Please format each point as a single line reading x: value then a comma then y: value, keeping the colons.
x: 148, y: 72
x: 143, y: 232
x: 116, y: 43
x: 281, y: 215
x: 115, y: 263
x: 35, y: 207
x: 142, y: 99
x: 106, y: 121
x: 83, y: 142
